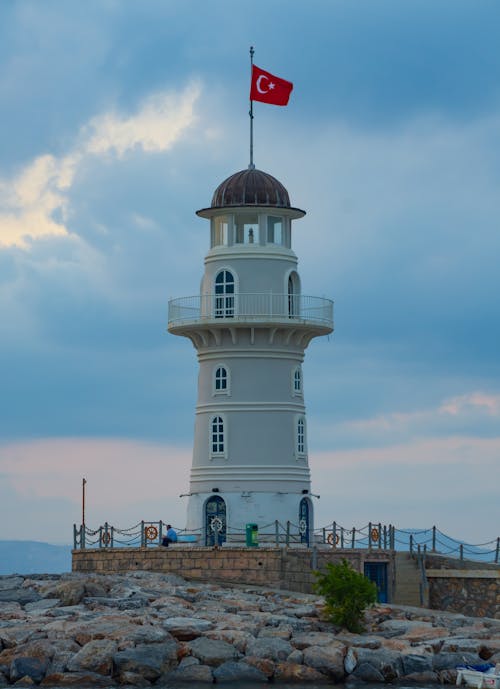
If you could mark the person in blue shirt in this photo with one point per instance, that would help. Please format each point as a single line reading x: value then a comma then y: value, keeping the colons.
x: 169, y: 537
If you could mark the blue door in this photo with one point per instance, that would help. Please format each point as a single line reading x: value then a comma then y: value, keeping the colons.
x: 304, y: 521
x: 377, y: 572
x: 215, y: 521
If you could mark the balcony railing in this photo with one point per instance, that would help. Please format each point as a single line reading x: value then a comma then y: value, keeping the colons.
x: 253, y: 307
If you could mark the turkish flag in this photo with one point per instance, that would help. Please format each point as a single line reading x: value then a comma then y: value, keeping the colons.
x: 267, y: 88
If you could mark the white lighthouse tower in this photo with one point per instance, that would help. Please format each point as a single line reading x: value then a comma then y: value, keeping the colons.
x: 250, y: 326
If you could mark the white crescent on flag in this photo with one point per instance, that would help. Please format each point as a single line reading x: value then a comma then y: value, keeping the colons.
x: 259, y: 84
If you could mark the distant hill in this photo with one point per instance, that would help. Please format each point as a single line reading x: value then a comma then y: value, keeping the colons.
x: 32, y: 557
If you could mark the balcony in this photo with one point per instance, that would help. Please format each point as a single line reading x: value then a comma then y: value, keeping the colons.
x: 252, y: 309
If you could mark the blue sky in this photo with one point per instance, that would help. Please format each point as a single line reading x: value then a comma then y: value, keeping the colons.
x: 118, y: 122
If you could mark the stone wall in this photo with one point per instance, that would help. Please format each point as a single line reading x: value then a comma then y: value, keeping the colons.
x: 463, y: 586
x: 285, y: 568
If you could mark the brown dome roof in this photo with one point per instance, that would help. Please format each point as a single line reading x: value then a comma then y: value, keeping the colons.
x: 251, y: 188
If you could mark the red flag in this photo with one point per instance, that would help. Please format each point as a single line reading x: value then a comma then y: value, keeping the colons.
x: 267, y: 88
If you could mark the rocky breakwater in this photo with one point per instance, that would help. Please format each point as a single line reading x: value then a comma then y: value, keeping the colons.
x: 141, y: 629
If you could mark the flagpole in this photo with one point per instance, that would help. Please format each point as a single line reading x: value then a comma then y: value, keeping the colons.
x: 251, y: 166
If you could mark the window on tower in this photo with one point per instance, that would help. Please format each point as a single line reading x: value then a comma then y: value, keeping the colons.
x: 221, y: 380
x: 301, y: 436
x: 217, y: 439
x: 297, y: 381
x: 224, y: 294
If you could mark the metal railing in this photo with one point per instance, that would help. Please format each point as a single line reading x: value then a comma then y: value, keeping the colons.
x: 372, y: 536
x: 257, y: 307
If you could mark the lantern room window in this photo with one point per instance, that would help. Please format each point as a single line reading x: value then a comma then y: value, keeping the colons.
x: 274, y: 230
x: 247, y: 229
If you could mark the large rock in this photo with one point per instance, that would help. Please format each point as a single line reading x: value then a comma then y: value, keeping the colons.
x: 449, y: 661
x: 293, y: 672
x: 263, y: 664
x: 96, y: 656
x: 189, y: 670
x: 234, y: 637
x: 233, y: 671
x: 77, y: 679
x: 212, y: 651
x: 42, y: 605
x: 11, y: 582
x: 302, y: 640
x: 150, y: 660
x: 68, y: 592
x: 329, y: 660
x: 416, y: 664
x: 387, y: 663
x: 272, y: 649
x: 186, y: 628
x: 21, y: 595
x: 34, y: 668
x: 368, y: 673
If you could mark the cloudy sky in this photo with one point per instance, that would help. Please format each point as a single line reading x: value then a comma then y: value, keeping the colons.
x: 119, y: 119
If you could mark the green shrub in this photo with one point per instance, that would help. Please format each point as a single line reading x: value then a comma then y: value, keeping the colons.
x: 347, y: 594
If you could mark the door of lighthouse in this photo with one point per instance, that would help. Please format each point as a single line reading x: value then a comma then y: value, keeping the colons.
x: 215, y: 521
x: 304, y: 521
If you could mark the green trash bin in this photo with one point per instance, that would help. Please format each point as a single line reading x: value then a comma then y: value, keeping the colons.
x: 252, y: 532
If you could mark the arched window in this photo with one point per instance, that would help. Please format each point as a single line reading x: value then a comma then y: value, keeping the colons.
x: 217, y: 441
x: 297, y: 381
x: 224, y: 294
x: 221, y: 380
x: 301, y: 436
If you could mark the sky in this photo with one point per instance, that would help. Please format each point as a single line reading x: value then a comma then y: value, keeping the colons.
x: 119, y: 119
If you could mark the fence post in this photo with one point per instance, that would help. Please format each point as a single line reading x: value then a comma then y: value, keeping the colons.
x: 160, y: 532
x: 334, y: 533
x: 142, y: 534
x: 433, y: 539
x: 379, y: 535
x: 353, y: 537
x: 341, y: 536
x: 461, y: 551
x: 385, y: 537
x: 82, y: 536
x: 497, y: 554
x: 288, y: 533
x: 100, y: 537
x: 392, y: 537
x: 74, y: 536
x: 277, y: 532
x: 411, y: 544
x: 106, y: 531
x: 369, y: 535
x: 324, y: 535
x: 112, y: 542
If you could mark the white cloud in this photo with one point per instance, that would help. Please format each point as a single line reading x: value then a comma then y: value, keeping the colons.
x: 476, y: 401
x: 30, y: 201
x: 447, y: 418
x: 160, y: 122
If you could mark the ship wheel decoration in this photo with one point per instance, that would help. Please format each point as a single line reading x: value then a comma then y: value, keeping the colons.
x: 151, y: 533
x: 216, y: 525
x: 302, y: 527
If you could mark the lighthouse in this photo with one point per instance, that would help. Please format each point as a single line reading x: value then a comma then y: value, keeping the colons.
x: 250, y: 325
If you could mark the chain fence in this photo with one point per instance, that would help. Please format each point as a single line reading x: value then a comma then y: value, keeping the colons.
x: 373, y: 535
